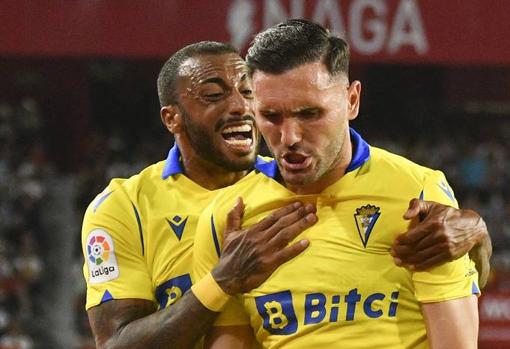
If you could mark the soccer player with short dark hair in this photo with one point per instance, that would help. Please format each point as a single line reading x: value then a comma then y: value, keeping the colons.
x: 344, y: 290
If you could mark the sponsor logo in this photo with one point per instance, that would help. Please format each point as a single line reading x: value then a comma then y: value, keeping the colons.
x: 170, y: 291
x: 366, y: 217
x: 279, y: 317
x: 101, y: 258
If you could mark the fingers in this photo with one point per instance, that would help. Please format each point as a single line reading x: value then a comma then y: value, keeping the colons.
x: 401, y: 254
x: 282, y: 237
x: 290, y: 252
x: 290, y: 225
x: 270, y: 220
x: 420, y: 257
x: 418, y: 208
x: 234, y: 217
x: 434, y: 260
x: 413, y: 210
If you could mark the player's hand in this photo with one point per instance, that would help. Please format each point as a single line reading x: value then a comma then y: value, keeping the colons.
x: 442, y: 234
x: 250, y: 255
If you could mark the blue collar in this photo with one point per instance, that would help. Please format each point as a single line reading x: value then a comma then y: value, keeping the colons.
x: 360, y: 155
x: 173, y: 163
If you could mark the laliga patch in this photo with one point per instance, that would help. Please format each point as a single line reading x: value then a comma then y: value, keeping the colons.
x: 101, y: 257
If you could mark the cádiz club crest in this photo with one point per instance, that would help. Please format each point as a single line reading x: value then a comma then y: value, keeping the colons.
x: 366, y: 217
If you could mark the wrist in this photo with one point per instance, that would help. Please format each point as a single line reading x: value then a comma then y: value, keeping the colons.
x: 210, y: 294
x: 225, y: 283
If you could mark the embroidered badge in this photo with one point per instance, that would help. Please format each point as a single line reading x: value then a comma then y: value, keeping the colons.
x: 101, y: 257
x: 177, y: 225
x: 366, y: 217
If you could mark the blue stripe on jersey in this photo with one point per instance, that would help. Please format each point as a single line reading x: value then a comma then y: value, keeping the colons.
x: 215, y: 237
x: 139, y: 228
x: 101, y: 200
x: 172, y: 164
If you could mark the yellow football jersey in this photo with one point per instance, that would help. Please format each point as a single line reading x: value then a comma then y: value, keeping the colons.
x: 344, y: 290
x: 137, y: 235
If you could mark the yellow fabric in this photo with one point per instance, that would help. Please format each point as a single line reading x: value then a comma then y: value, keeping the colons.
x: 168, y: 210
x: 210, y: 294
x: 344, y: 290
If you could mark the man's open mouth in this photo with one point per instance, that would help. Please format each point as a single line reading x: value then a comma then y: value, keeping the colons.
x: 238, y: 135
x: 295, y: 161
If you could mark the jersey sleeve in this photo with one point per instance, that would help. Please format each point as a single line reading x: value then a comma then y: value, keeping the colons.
x: 206, y: 254
x: 114, y: 265
x: 451, y: 280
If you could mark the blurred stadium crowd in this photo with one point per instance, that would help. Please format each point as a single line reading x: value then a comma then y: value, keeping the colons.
x: 24, y: 167
x: 473, y: 151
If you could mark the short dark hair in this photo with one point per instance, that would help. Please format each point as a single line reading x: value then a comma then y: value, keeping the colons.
x: 295, y: 42
x: 167, y: 77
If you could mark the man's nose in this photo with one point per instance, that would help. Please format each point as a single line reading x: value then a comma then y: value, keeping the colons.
x: 290, y: 132
x: 238, y: 104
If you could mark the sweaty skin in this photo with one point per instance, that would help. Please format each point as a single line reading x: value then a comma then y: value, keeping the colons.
x: 214, y: 94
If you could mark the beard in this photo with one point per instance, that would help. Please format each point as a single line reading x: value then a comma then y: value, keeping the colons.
x: 202, y: 142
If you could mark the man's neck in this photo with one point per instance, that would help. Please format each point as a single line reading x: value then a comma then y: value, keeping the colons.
x: 318, y: 186
x: 335, y: 173
x: 208, y: 175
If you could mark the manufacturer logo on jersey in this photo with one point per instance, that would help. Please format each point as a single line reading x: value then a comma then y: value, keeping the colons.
x: 101, y: 257
x: 177, y: 225
x: 366, y: 217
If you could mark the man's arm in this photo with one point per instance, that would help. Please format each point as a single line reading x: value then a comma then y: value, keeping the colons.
x: 443, y: 234
x: 249, y: 258
x: 135, y: 323
x: 452, y: 324
x: 230, y: 337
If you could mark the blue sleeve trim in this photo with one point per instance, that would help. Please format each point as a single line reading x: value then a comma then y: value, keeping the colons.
x: 107, y: 296
x: 215, y: 237
x: 173, y: 163
x: 139, y: 228
x: 474, y: 288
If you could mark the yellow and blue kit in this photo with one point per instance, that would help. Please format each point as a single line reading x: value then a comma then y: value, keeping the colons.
x: 137, y: 235
x: 344, y: 290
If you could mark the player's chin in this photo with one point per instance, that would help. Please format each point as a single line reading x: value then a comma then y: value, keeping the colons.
x: 238, y: 161
x: 296, y: 178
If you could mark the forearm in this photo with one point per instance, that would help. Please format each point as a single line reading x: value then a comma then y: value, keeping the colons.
x: 178, y: 326
x: 452, y: 324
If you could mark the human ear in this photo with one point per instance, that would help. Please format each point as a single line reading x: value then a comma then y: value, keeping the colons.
x: 172, y: 119
x: 353, y: 95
